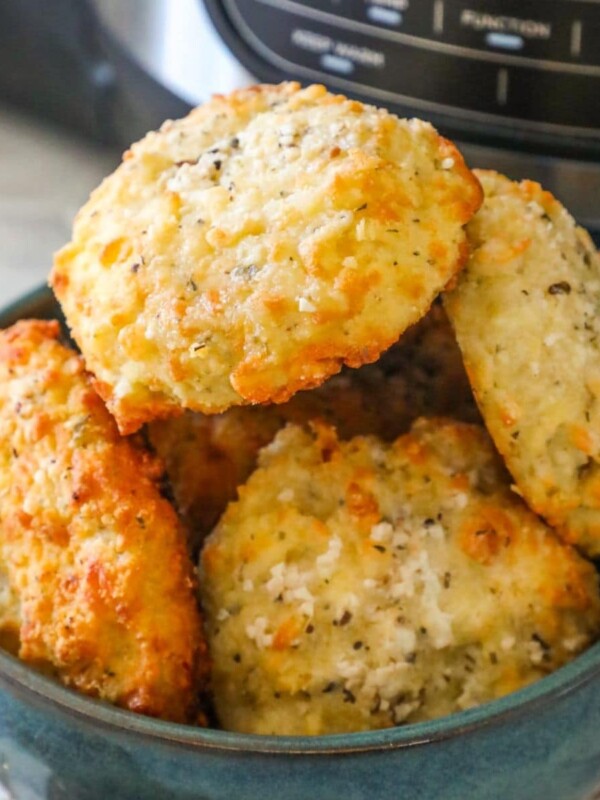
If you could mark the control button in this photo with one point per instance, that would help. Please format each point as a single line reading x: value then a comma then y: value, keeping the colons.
x: 505, y: 41
x: 524, y: 27
x: 531, y: 29
x: 384, y: 16
x: 338, y: 55
x: 337, y: 64
x: 408, y: 16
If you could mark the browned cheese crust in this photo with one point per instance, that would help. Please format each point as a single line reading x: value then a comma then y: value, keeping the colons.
x: 95, y: 581
x: 526, y: 315
x: 251, y: 249
x: 208, y: 457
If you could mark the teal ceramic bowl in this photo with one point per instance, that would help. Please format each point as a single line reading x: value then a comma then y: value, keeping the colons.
x: 542, y: 743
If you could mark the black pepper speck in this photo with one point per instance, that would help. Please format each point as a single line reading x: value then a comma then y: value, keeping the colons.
x: 562, y: 287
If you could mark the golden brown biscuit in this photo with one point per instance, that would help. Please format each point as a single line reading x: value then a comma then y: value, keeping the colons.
x: 359, y: 585
x: 526, y: 316
x: 208, y: 457
x: 94, y: 556
x: 252, y: 248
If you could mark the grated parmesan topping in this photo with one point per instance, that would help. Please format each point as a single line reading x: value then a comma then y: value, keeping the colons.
x: 326, y: 562
x: 286, y: 496
x: 382, y: 532
x: 306, y: 305
x: 289, y: 585
x: 257, y: 631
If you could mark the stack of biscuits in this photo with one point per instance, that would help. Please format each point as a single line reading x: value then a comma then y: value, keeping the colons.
x: 329, y: 457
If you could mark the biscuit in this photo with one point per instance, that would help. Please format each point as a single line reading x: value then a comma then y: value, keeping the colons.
x: 251, y: 249
x: 208, y: 457
x: 96, y: 585
x: 525, y: 311
x: 359, y: 585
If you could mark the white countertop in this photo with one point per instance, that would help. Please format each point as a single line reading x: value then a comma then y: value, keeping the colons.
x: 45, y: 176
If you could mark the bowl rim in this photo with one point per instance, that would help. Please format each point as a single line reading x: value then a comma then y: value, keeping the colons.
x: 551, y: 688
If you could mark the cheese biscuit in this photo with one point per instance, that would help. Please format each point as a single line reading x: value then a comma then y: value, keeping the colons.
x: 525, y: 311
x: 253, y: 248
x: 359, y: 585
x: 96, y: 586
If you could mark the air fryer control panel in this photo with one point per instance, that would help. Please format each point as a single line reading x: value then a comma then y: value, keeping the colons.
x: 522, y: 65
